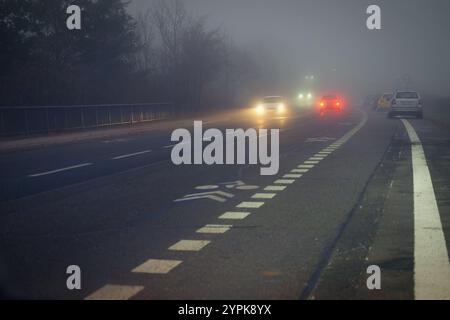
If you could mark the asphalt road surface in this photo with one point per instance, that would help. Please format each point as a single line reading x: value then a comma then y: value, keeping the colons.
x: 352, y: 191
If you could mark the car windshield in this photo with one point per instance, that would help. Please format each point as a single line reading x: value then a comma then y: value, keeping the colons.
x: 272, y: 99
x: 329, y: 97
x: 407, y: 95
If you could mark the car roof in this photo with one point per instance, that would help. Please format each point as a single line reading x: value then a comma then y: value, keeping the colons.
x: 406, y: 91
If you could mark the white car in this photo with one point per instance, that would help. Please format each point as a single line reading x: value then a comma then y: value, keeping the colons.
x: 271, y: 104
x: 406, y: 103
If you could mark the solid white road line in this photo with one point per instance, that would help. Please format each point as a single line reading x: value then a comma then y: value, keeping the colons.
x: 234, y: 215
x: 115, y: 292
x: 214, y: 228
x: 59, y: 170
x: 250, y: 205
x: 189, y: 245
x: 131, y: 155
x: 431, y: 261
x: 156, y: 266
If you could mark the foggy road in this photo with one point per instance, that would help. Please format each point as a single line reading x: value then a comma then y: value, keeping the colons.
x: 140, y: 227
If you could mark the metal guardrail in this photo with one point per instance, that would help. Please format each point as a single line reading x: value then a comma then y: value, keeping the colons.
x: 47, y: 119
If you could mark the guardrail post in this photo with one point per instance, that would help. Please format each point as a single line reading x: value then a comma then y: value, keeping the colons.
x: 26, y: 122
x: 47, y: 120
x: 2, y: 123
x: 82, y: 117
x: 132, y: 114
x: 66, y: 124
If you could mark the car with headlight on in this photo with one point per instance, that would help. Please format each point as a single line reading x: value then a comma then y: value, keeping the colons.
x: 271, y: 104
x: 305, y: 99
x: 406, y: 103
x: 330, y: 103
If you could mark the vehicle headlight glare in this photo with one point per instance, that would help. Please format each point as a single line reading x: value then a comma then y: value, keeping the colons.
x: 260, y: 109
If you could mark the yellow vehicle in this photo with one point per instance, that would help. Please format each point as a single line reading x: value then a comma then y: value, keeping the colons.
x: 384, y: 103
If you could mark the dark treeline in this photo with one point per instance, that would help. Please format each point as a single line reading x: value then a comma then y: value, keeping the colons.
x: 160, y: 55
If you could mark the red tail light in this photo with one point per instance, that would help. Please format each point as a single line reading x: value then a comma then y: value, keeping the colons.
x: 338, y: 104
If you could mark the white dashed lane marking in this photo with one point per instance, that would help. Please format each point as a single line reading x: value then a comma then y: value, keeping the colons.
x: 250, y: 205
x: 274, y: 188
x: 234, y: 215
x: 264, y: 195
x: 300, y: 170
x: 214, y: 228
x: 284, y: 181
x: 189, y: 245
x: 131, y: 155
x: 59, y: 170
x: 292, y: 176
x: 157, y: 266
x: 115, y: 292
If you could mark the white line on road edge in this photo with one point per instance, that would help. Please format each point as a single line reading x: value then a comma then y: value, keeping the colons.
x: 114, y: 292
x: 431, y: 262
x: 131, y: 155
x: 59, y: 170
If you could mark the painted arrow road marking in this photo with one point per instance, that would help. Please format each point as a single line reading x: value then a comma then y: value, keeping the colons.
x: 219, y: 196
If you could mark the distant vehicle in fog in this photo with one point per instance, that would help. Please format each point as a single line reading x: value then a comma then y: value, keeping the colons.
x: 406, y: 103
x: 384, y: 102
x: 274, y: 104
x: 330, y: 104
x: 305, y: 99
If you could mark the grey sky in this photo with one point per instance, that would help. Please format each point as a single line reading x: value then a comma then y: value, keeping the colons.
x: 316, y: 36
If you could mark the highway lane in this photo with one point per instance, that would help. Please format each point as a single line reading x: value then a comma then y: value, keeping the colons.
x: 128, y: 234
x: 32, y: 171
